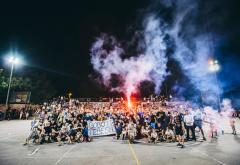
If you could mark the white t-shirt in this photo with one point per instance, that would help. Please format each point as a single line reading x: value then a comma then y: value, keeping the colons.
x: 198, y: 116
x: 188, y: 119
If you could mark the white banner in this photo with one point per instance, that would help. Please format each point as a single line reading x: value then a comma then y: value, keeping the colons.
x: 100, y: 128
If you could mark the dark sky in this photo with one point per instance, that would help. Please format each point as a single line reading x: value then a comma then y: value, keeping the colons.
x: 55, y: 37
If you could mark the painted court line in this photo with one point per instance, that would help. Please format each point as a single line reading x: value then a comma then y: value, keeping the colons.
x: 64, y: 154
x: 133, y: 153
x: 220, y: 162
x: 35, y: 151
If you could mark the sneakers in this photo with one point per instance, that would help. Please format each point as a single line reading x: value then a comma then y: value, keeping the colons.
x: 204, y: 139
x: 180, y: 145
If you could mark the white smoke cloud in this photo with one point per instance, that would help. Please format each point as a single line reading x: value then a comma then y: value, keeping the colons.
x: 149, y: 65
x: 194, y: 54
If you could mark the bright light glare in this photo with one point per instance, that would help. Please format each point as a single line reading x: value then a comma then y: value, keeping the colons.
x: 13, y: 60
x: 210, y: 62
x: 214, y: 68
x: 213, y: 65
x: 129, y: 104
x: 10, y: 59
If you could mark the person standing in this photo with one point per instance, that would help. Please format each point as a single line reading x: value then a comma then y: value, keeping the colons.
x: 118, y: 130
x: 179, y: 129
x: 198, y: 120
x: 27, y: 114
x: 21, y: 114
x: 188, y: 119
x: 8, y: 113
x: 232, y: 123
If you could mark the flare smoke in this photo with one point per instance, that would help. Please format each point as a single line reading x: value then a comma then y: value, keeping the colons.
x: 147, y: 65
x: 192, y: 51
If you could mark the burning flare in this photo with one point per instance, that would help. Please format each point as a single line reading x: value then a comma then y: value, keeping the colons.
x: 129, y: 102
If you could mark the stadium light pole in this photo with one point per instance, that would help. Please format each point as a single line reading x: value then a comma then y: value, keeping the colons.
x: 13, y: 61
x: 214, y: 67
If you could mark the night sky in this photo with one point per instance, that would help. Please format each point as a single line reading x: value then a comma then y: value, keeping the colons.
x: 55, y: 37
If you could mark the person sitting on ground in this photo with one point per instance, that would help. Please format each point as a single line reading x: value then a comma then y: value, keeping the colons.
x: 43, y: 136
x: 54, y: 135
x: 79, y: 136
x: 62, y: 136
x: 71, y: 134
x: 169, y: 134
x: 124, y: 133
x: 160, y: 132
x: 131, y: 130
x: 153, y: 136
x: 145, y: 131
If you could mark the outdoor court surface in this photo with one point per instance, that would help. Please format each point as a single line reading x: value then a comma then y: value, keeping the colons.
x: 106, y: 151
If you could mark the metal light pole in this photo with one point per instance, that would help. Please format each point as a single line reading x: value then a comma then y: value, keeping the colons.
x: 9, y: 84
x: 218, y: 93
x: 13, y: 61
x: 214, y: 67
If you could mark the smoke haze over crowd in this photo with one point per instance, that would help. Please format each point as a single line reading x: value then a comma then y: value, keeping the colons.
x: 192, y: 47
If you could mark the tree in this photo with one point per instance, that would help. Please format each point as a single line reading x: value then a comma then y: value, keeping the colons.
x: 39, y: 85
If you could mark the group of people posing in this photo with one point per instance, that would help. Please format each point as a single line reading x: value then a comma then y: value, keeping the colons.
x: 65, y: 120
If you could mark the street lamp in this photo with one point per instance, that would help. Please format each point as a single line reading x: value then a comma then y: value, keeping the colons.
x: 214, y: 67
x: 13, y: 61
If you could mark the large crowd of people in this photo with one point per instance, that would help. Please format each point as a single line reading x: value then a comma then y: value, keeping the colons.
x: 19, y: 113
x: 63, y: 120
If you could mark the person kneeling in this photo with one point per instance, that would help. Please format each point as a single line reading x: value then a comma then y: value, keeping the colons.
x: 153, y: 136
x: 34, y: 135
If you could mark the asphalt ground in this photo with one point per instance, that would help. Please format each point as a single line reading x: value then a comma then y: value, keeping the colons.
x: 107, y: 150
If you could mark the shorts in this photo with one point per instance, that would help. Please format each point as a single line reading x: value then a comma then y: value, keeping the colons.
x: 47, y: 130
x: 179, y: 131
x: 73, y: 133
x: 198, y: 123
